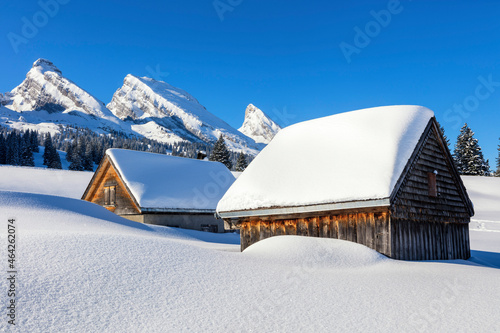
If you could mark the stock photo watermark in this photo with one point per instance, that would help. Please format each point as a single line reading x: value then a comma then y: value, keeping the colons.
x: 461, y: 111
x: 31, y: 26
x: 282, y: 116
x: 364, y: 36
x: 156, y: 73
x: 428, y: 319
x: 225, y: 6
x: 11, y: 271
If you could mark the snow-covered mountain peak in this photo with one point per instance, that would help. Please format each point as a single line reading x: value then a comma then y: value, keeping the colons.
x: 258, y: 126
x: 44, y: 65
x: 156, y: 105
x: 46, y: 96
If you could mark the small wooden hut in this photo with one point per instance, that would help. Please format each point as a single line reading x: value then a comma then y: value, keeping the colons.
x: 382, y: 177
x: 160, y: 189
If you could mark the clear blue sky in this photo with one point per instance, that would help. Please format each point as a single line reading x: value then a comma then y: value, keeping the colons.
x: 283, y: 56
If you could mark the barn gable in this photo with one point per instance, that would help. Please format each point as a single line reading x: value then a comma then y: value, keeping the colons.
x: 107, y: 189
x: 430, y: 187
x: 430, y: 208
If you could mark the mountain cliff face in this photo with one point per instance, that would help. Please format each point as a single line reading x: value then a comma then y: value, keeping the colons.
x: 258, y: 126
x: 148, y: 103
x: 47, y: 101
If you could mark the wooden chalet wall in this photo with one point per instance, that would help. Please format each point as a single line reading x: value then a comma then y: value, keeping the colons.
x: 370, y: 228
x: 426, y: 226
x: 106, y: 175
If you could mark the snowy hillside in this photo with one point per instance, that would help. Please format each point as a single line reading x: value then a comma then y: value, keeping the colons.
x: 40, y: 180
x: 258, y: 125
x: 46, y: 101
x: 485, y: 194
x: 84, y: 269
x: 156, y: 106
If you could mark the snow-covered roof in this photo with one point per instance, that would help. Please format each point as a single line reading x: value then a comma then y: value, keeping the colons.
x: 161, y: 182
x: 347, y: 157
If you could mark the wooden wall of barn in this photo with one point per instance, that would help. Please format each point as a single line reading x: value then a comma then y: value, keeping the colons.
x: 425, y: 226
x: 368, y: 228
x: 420, y: 240
x: 413, y: 201
x: 107, y: 177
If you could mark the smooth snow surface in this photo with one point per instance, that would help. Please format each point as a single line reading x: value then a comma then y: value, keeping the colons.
x: 350, y: 156
x: 84, y: 269
x: 63, y: 183
x: 170, y: 182
x: 486, y: 194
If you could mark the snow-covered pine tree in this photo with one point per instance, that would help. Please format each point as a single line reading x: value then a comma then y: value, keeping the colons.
x: 221, y: 154
x: 88, y: 161
x: 77, y: 159
x: 69, y: 152
x: 241, y: 163
x: 468, y: 156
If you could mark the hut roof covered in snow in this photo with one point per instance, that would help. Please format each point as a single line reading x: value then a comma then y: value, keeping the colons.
x: 161, y: 182
x: 348, y: 157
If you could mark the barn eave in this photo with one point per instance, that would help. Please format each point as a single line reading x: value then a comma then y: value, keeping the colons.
x: 360, y: 204
x: 176, y: 210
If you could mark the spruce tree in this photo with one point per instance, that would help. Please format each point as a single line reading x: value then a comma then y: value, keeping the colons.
x: 12, y: 152
x: 88, y: 161
x: 48, y: 149
x: 26, y: 157
x: 55, y: 160
x: 241, y: 163
x: 468, y: 156
x: 77, y: 163
x: 441, y: 128
x: 497, y: 173
x: 3, y: 149
x: 221, y: 154
x: 33, y: 138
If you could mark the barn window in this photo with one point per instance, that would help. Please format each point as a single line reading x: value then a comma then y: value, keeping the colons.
x: 433, y: 192
x: 109, y: 195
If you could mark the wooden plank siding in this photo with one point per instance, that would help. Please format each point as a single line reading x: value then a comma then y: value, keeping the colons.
x: 413, y: 201
x: 427, y: 225
x: 368, y: 228
x: 107, y: 176
x: 429, y: 240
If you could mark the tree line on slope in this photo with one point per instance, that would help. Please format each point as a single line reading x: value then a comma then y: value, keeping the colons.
x: 85, y: 148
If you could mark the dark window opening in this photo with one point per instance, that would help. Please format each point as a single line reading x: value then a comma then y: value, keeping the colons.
x: 433, y: 192
x: 110, y: 195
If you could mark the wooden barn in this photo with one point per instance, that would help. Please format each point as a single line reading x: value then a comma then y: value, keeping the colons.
x: 382, y: 177
x: 160, y: 189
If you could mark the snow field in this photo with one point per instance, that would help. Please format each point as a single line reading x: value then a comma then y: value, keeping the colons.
x: 84, y: 269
